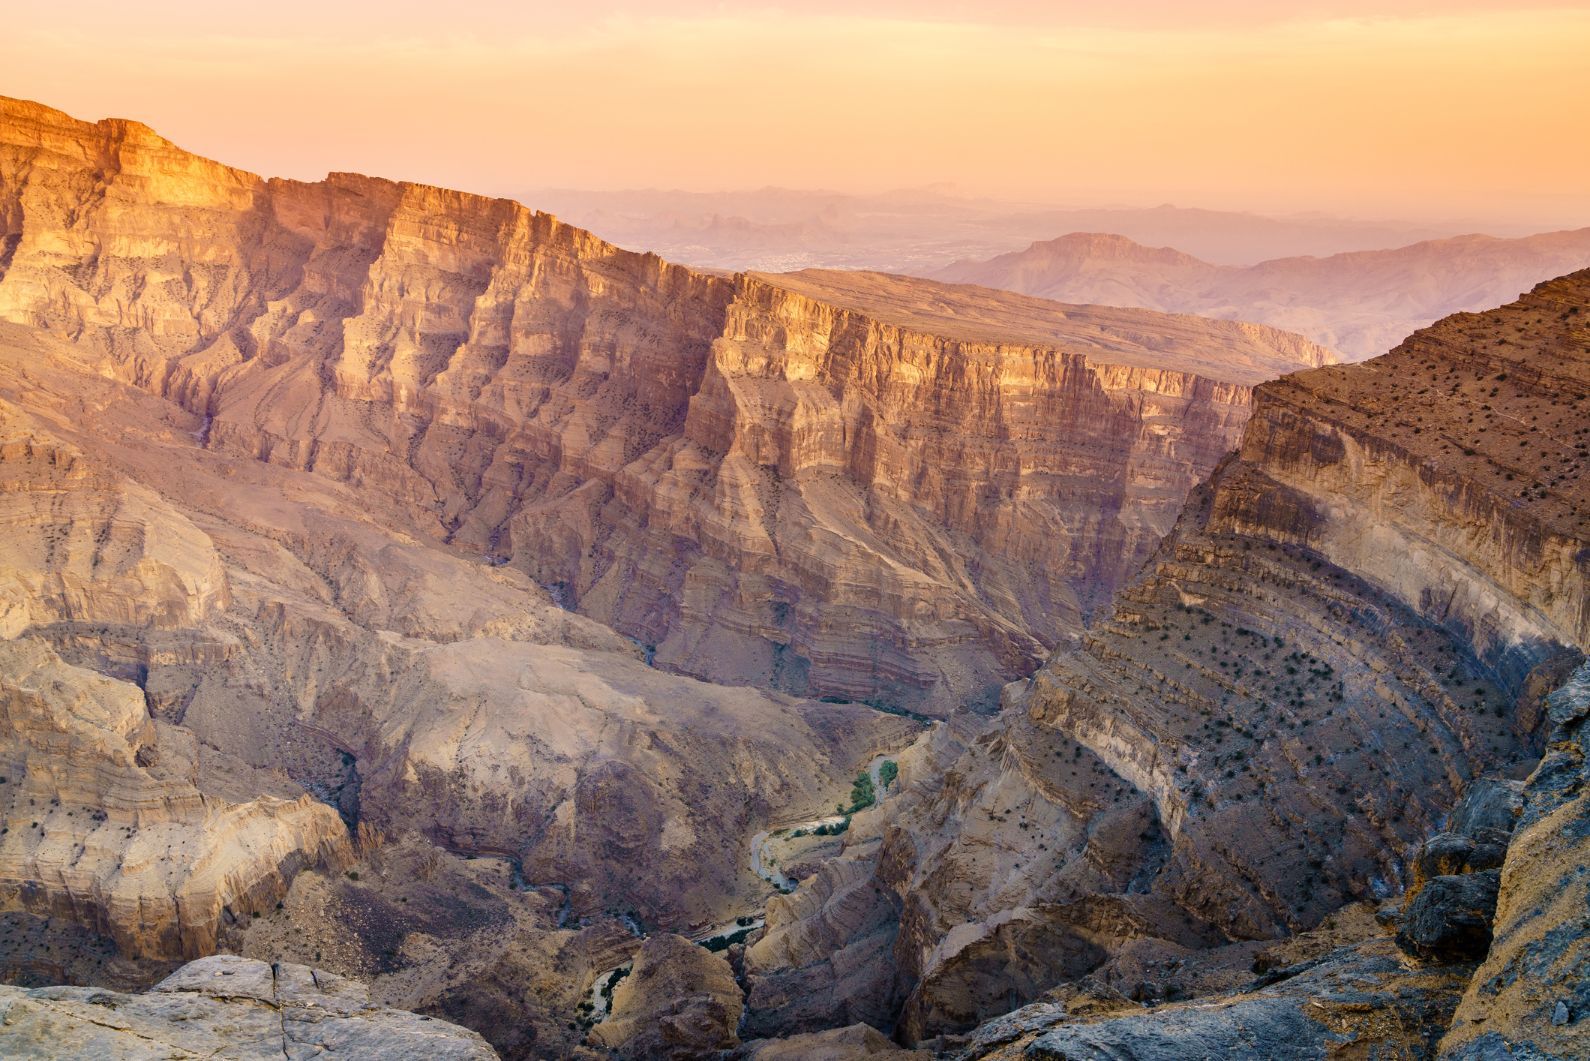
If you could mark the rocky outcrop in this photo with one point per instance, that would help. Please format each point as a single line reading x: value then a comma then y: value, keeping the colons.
x: 1357, y: 1002
x: 799, y: 483
x: 679, y: 1001
x: 1450, y: 919
x: 1358, y: 302
x: 228, y: 1007
x: 1339, y: 991
x: 1531, y: 995
x: 464, y: 939
x: 129, y: 827
x: 852, y: 1043
x: 1349, y: 624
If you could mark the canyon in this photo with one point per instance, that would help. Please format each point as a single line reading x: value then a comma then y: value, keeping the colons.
x: 1370, y: 613
x: 1358, y: 302
x: 417, y: 612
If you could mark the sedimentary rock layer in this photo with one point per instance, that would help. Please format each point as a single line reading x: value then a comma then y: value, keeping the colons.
x: 131, y: 828
x: 854, y: 490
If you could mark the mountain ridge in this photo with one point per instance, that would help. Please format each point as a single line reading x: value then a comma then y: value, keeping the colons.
x: 1358, y: 302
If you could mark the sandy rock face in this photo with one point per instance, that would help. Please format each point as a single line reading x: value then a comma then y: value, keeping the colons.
x: 831, y: 487
x: 226, y: 1006
x: 322, y: 642
x: 80, y: 546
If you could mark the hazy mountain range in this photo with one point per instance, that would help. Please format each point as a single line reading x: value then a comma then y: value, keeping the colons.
x: 922, y: 230
x: 1360, y: 303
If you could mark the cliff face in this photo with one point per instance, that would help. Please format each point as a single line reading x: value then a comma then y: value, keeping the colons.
x: 1360, y: 302
x: 856, y: 488
x: 1354, y: 618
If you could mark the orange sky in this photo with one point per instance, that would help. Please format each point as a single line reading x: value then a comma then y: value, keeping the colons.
x: 1396, y: 108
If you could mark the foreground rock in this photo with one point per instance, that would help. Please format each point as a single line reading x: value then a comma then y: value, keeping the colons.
x: 1450, y: 919
x: 854, y: 1043
x: 230, y: 1007
x: 1531, y: 996
x: 1358, y: 1002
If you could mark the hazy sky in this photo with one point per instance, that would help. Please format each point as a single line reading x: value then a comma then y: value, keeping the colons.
x: 1407, y: 108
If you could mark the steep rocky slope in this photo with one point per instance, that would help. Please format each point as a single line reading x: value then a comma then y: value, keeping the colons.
x: 766, y: 480
x: 1358, y: 302
x: 129, y: 826
x: 1357, y: 616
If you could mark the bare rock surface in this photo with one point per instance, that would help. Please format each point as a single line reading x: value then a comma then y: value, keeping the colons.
x: 349, y: 662
x: 228, y: 1007
x: 852, y: 1043
x: 1450, y: 919
x: 458, y: 938
x: 130, y: 827
x: 1357, y: 1001
x: 1531, y: 995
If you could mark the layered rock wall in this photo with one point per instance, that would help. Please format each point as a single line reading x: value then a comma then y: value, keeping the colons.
x: 787, y: 481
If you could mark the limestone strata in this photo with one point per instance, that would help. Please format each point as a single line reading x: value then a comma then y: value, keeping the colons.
x: 76, y: 545
x: 1396, y: 546
x: 829, y: 487
x: 226, y: 1007
x: 130, y: 828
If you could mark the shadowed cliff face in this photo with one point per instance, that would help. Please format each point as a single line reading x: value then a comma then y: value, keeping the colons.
x: 1354, y: 618
x: 864, y: 488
